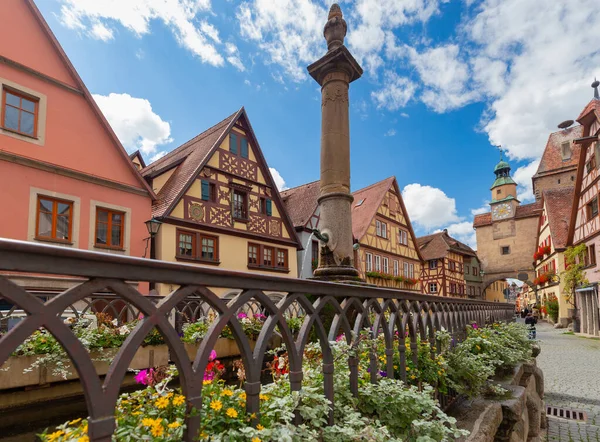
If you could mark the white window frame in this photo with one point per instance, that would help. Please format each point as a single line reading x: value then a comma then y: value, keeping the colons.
x: 383, y: 230
x: 386, y: 265
x: 432, y: 264
x: 369, y: 262
x: 433, y: 287
x: 405, y: 270
x: 378, y: 227
x: 396, y: 267
x: 377, y: 263
x: 411, y: 270
x: 402, y: 237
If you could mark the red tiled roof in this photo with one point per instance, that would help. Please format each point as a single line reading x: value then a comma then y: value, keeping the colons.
x: 371, y: 197
x: 559, y: 204
x: 524, y: 211
x: 438, y: 245
x: 593, y: 105
x: 301, y: 202
x: 189, y: 158
x: 552, y: 158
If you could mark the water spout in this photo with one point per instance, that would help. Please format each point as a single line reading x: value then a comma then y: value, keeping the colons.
x: 305, y: 253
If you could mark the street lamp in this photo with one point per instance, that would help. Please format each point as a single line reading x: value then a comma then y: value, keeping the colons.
x: 153, y: 226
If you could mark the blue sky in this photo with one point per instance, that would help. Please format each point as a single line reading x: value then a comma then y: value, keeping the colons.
x: 444, y: 82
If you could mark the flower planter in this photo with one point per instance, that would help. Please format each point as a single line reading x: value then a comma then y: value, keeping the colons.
x: 12, y: 373
x: 225, y: 348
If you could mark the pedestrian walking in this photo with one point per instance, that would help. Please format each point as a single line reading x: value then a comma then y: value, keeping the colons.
x: 530, y: 322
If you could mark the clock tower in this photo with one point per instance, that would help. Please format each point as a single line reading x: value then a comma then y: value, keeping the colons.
x: 504, y: 193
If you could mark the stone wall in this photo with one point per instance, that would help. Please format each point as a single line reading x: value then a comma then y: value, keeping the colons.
x: 554, y: 181
x: 521, y: 417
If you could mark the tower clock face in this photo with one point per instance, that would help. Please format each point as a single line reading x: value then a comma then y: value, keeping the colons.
x: 502, y: 211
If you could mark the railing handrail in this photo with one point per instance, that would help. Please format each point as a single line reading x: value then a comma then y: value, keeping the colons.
x: 23, y: 256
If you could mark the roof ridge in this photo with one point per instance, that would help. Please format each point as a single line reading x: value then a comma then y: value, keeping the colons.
x: 190, y: 142
x: 298, y: 186
x: 374, y: 184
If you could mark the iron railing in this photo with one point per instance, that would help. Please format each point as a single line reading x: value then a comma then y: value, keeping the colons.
x: 355, y: 307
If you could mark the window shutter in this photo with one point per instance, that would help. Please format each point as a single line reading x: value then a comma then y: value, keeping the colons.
x: 597, y: 153
x: 233, y: 143
x: 205, y: 190
x: 244, y: 147
x: 269, y: 208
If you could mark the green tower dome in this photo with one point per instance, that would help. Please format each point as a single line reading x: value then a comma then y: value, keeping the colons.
x: 501, y: 165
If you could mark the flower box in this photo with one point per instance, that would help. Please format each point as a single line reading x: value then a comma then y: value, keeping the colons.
x: 225, y: 348
x: 12, y: 373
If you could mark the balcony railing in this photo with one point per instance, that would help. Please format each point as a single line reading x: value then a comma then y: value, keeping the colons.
x: 106, y: 286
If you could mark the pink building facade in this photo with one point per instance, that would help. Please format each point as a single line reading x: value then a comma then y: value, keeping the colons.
x: 585, y: 220
x: 66, y: 180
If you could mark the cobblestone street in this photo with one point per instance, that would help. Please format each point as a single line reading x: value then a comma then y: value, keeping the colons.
x: 570, y: 364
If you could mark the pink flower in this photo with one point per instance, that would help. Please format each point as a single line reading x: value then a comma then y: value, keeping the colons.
x: 142, y: 377
x: 212, y: 356
x: 140, y: 316
x: 242, y: 315
x: 339, y: 338
x: 260, y: 316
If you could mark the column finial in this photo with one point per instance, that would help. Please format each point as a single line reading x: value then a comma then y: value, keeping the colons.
x: 595, y: 85
x: 335, y: 28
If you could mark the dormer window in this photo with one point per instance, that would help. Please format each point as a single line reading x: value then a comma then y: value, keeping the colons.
x: 565, y: 150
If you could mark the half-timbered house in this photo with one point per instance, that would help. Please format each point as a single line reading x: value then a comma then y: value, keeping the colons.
x: 585, y: 222
x: 443, y: 269
x: 385, y: 253
x: 557, y: 205
x: 219, y: 204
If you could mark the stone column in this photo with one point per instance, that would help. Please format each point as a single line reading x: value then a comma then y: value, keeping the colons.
x: 595, y: 325
x: 334, y: 72
x: 583, y: 312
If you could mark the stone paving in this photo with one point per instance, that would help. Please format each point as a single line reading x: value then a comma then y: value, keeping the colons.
x: 571, y: 366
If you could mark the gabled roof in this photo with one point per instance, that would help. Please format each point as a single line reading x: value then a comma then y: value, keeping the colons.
x: 523, y: 211
x: 552, y: 160
x: 87, y: 96
x: 366, y: 203
x: 438, y: 245
x: 559, y: 204
x: 592, y: 106
x: 138, y: 155
x: 301, y: 203
x: 189, y: 158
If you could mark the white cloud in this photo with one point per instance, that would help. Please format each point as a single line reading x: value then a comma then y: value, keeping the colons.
x: 134, y: 122
x: 101, y: 32
x: 158, y: 156
x: 390, y: 133
x: 279, y: 181
x: 404, y: 115
x: 483, y: 209
x: 395, y: 93
x: 140, y: 54
x: 247, y: 82
x: 234, y: 56
x: 135, y: 15
x: 445, y: 77
x: 464, y: 232
x: 522, y: 177
x: 429, y: 207
x: 289, y: 32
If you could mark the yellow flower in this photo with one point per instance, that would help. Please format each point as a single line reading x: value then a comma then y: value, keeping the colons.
x: 395, y: 367
x: 216, y: 405
x: 73, y: 422
x: 136, y: 413
x: 243, y: 395
x: 84, y: 429
x: 84, y: 438
x: 232, y: 413
x: 162, y: 402
x: 206, y: 382
x: 478, y: 347
x: 439, y: 372
x: 413, y: 377
x: 54, y: 436
x: 407, y: 368
x: 253, y: 416
x: 179, y: 399
x: 170, y: 394
x: 227, y: 392
x: 255, y: 439
x: 263, y: 397
x: 260, y: 427
x: 157, y: 430
x: 174, y: 425
x: 147, y: 422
